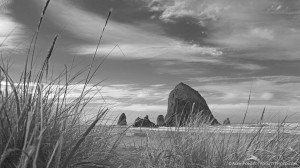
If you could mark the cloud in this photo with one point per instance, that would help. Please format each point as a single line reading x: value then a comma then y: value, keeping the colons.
x: 3, y: 6
x: 132, y: 99
x: 266, y: 96
x: 200, y: 10
x: 251, y: 67
x: 87, y: 26
x: 273, y: 113
x: 132, y: 92
x: 262, y: 33
x: 11, y: 34
x: 276, y: 90
x: 143, y: 108
x: 173, y: 50
x: 136, y: 42
x: 267, y: 29
x: 178, y: 71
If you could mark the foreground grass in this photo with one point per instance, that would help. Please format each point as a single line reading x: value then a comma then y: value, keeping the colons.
x: 209, y: 147
x: 198, y: 145
x: 41, y: 127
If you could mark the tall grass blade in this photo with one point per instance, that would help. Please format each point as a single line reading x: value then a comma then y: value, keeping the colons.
x: 262, y: 116
x: 57, y: 145
x: 46, y: 62
x: 248, y: 104
x: 83, y: 136
x: 97, y: 47
x: 37, y: 34
x: 13, y: 89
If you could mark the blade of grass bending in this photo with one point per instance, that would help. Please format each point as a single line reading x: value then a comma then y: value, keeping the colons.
x: 248, y: 103
x: 83, y: 136
x: 45, y: 64
x: 97, y: 47
x: 54, y: 151
x: 58, y: 155
x: 37, y: 34
x: 14, y: 90
x: 98, y: 67
x: 262, y: 115
x: 87, y: 79
x: 258, y: 132
x: 28, y: 123
x: 38, y: 146
x: 40, y: 138
x: 25, y: 70
x: 14, y: 130
x: 8, y: 152
x: 6, y: 37
x: 42, y: 16
x: 245, y: 115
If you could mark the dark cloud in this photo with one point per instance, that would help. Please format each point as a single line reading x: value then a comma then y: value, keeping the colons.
x: 187, y: 29
x: 28, y: 13
x: 137, y: 13
x: 24, y: 12
x: 127, y: 11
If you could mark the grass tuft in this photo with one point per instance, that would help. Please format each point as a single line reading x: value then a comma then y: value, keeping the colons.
x: 40, y: 126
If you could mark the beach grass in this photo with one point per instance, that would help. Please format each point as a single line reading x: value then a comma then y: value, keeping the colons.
x: 216, y: 149
x: 41, y: 127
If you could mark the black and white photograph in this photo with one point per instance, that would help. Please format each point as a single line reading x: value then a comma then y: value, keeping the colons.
x: 149, y: 83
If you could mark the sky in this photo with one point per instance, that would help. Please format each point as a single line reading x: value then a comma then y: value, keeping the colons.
x: 224, y: 49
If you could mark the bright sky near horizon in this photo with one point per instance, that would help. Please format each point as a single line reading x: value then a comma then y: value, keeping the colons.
x: 222, y: 48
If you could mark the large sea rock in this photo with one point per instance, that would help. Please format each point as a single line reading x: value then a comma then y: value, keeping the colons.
x: 139, y: 122
x: 186, y: 105
x: 122, y: 120
x: 160, y: 122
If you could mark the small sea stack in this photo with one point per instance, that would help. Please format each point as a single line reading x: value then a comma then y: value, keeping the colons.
x: 160, y: 122
x: 139, y: 122
x: 122, y: 120
x: 226, y: 122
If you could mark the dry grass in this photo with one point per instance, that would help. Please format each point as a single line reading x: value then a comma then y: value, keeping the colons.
x: 41, y: 127
x: 209, y: 147
x: 191, y: 147
x: 214, y: 149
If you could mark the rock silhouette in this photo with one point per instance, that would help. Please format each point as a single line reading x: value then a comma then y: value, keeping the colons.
x: 122, y: 120
x: 186, y: 104
x: 226, y: 122
x: 160, y: 121
x: 139, y: 122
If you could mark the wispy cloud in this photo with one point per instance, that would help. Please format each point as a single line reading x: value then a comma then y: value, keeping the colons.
x: 273, y: 113
x: 251, y: 67
x: 11, y: 33
x: 133, y: 92
x: 134, y: 41
x: 257, y: 25
x: 143, y: 108
x: 174, y: 50
x: 200, y: 10
x: 276, y: 90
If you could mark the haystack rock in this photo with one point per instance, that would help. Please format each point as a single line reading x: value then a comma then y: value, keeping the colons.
x: 143, y: 122
x: 226, y: 122
x: 160, y: 121
x: 185, y: 104
x: 122, y: 120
